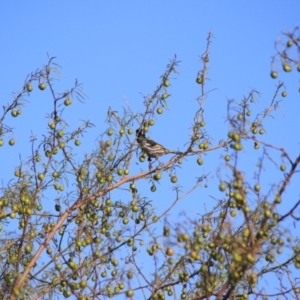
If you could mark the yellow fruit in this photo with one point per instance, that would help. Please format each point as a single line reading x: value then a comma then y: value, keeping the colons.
x: 67, y: 102
x: 29, y: 88
x: 42, y: 86
x: 274, y: 74
x: 166, y: 83
x: 286, y: 67
x: 169, y: 251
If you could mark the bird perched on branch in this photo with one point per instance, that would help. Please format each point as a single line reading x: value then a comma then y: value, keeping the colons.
x: 150, y: 147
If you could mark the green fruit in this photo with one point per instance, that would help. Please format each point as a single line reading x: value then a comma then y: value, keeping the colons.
x: 55, y: 174
x: 174, y: 179
x: 151, y: 122
x: 62, y: 145
x: 284, y: 94
x: 286, y: 67
x: 166, y: 83
x: 77, y: 142
x: 129, y: 293
x: 110, y: 132
x: 157, y: 176
x: 153, y: 188
x: 227, y: 157
x: 28, y: 249
x: 14, y: 113
x: 29, y: 88
x: 282, y: 167
x: 222, y: 186
x: 1, y: 142
x: 159, y: 110
x: 164, y: 96
x: 42, y: 86
x: 199, y: 80
x: 290, y: 43
x: 41, y: 176
x: 60, y: 134
x: 51, y: 125
x: 11, y: 142
x: 200, y: 161
x: 129, y: 131
x: 67, y: 102
x: 274, y: 74
x: 256, y: 187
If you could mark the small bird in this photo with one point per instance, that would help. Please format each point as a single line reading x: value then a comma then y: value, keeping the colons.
x: 150, y: 147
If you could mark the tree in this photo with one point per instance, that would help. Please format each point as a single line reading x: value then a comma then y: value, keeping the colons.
x: 63, y: 234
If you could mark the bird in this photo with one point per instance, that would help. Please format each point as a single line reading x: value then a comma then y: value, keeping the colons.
x: 150, y: 147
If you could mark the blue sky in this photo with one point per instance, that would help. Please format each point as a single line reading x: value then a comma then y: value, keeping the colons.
x: 118, y: 49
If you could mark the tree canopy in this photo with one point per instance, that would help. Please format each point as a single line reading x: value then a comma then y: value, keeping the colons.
x: 79, y: 224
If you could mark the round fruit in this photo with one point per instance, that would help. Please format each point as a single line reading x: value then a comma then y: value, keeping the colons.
x: 159, y: 110
x: 151, y: 122
x: 282, y: 167
x: 29, y: 88
x: 233, y: 213
x: 238, y: 146
x: 157, y: 176
x: 42, y: 86
x: 200, y: 161
x: 55, y: 174
x: 290, y: 43
x: 153, y: 188
x: 286, y: 67
x: 129, y: 293
x: 77, y: 142
x: 256, y: 187
x: 174, y: 179
x: 169, y: 251
x: 62, y: 145
x: 14, y: 113
x: 60, y: 134
x: 41, y: 176
x: 129, y: 131
x: 11, y: 142
x: 199, y: 80
x: 284, y: 94
x: 164, y: 96
x: 166, y: 83
x: 110, y: 132
x: 67, y: 102
x: 227, y: 157
x: 222, y: 186
x: 1, y: 142
x: 274, y: 74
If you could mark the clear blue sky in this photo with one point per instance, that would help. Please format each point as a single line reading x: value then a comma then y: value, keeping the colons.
x: 119, y: 49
